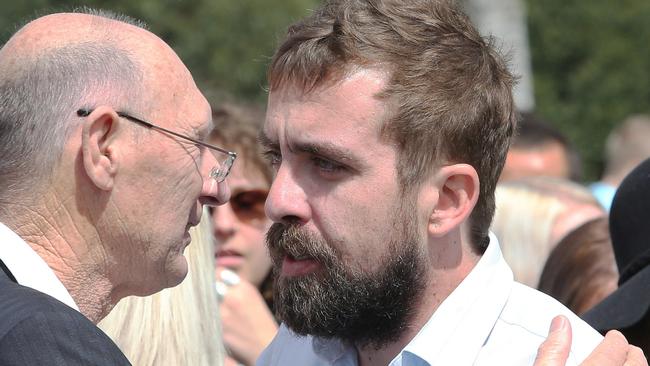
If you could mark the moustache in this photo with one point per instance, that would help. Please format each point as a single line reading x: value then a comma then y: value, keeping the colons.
x: 292, y: 240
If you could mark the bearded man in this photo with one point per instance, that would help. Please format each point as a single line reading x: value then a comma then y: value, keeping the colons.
x: 388, y: 124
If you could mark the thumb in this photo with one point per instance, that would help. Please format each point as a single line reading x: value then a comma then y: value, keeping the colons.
x: 554, y: 351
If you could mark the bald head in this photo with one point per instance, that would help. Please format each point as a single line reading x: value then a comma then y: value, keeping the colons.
x: 59, y: 63
x: 48, y: 35
x: 44, y: 35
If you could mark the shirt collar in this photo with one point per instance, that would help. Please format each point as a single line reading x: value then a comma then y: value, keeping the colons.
x: 459, y: 327
x: 334, y: 350
x: 462, y: 323
x: 29, y: 268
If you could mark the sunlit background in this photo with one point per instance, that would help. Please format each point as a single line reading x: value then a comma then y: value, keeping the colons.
x: 583, y: 65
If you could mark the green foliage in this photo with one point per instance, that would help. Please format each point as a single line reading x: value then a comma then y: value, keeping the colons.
x: 591, y: 67
x: 225, y: 43
x: 590, y: 58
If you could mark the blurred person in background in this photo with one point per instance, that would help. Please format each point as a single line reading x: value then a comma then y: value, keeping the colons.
x: 539, y: 149
x: 627, y: 308
x: 626, y: 147
x: 243, y: 264
x: 581, y: 271
x: 533, y: 214
x: 176, y: 326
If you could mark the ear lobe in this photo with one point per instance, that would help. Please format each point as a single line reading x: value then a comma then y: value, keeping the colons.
x: 100, y: 158
x: 458, y: 190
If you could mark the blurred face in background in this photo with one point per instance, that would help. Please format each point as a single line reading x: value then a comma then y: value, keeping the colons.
x: 240, y: 225
x: 549, y: 160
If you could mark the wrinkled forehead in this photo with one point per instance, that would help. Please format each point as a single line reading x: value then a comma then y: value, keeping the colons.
x: 171, y: 92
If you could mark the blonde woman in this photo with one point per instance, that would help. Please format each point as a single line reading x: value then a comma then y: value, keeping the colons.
x: 179, y: 325
x: 533, y: 214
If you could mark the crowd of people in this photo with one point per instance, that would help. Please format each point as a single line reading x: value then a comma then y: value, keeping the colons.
x: 389, y: 206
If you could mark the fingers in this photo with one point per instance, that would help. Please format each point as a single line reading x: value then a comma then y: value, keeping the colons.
x: 614, y: 350
x: 228, y: 277
x: 554, y: 351
x: 611, y: 351
x: 225, y: 279
x: 247, y: 323
x: 635, y: 357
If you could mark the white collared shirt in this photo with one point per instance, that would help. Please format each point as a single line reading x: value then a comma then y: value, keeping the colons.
x: 29, y: 268
x: 489, y: 319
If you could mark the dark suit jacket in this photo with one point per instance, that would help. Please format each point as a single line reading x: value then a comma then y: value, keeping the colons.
x: 37, y: 329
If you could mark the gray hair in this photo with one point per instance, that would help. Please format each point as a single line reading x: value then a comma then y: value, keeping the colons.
x: 108, y: 14
x: 39, y: 97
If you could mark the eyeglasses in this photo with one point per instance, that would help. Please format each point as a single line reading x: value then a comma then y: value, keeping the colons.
x: 248, y: 206
x: 225, y: 159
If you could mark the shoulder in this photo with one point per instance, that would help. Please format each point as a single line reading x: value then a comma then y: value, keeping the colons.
x: 38, y: 329
x: 18, y: 303
x: 524, y: 302
x: 523, y: 326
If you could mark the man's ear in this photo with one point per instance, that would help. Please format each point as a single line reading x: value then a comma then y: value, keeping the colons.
x: 458, y: 191
x: 100, y: 156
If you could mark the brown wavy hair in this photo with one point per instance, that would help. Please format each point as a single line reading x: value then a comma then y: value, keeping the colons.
x: 449, y: 92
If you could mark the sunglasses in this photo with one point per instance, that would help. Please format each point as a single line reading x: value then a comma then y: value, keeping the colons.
x: 248, y: 206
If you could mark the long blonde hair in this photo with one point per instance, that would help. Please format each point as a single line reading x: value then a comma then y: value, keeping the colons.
x: 177, y: 326
x: 529, y: 216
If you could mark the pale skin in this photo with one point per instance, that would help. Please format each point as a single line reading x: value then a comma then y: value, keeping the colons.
x: 111, y: 199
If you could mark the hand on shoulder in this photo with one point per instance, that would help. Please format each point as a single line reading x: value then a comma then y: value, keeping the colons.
x: 613, y: 350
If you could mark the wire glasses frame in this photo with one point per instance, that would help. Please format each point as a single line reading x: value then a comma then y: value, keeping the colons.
x: 225, y: 159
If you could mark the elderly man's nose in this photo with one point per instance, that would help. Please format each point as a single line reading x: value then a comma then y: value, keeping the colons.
x: 215, y: 193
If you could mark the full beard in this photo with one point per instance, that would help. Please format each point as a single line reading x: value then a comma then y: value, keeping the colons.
x: 366, y: 309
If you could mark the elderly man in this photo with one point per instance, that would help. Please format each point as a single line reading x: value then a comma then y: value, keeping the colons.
x: 388, y: 124
x: 103, y: 173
